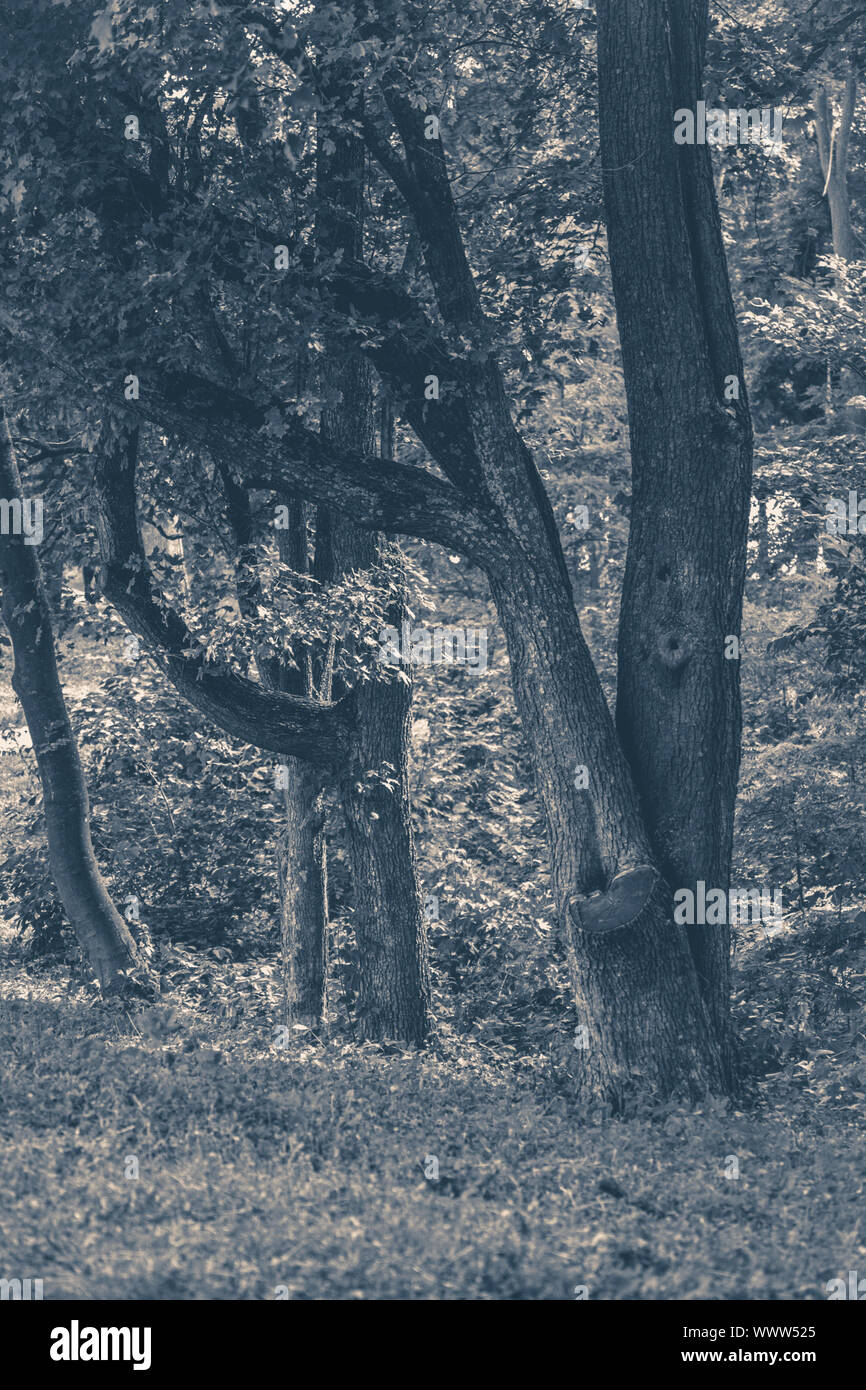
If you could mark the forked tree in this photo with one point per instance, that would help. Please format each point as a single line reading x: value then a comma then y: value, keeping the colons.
x: 633, y: 809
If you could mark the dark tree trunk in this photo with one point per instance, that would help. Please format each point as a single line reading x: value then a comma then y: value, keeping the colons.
x: 678, y: 702
x: 100, y: 929
x: 393, y: 986
x: 393, y: 994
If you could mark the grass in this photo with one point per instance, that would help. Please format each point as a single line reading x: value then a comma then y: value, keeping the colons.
x: 300, y: 1172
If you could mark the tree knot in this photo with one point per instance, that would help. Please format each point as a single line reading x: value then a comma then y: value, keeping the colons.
x: 673, y: 650
x: 622, y: 902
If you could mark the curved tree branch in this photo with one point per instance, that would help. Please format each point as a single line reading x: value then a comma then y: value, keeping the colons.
x: 315, y: 732
x: 283, y: 454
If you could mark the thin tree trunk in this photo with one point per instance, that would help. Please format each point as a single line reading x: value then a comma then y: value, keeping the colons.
x: 302, y: 873
x: 833, y: 139
x: 303, y: 879
x: 393, y: 994
x: 100, y: 929
x: 762, y: 562
x: 303, y: 852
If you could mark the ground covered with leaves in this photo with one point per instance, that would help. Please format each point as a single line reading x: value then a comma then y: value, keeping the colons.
x: 156, y: 1153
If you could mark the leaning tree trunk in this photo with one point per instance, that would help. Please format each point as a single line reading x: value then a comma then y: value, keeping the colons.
x: 641, y: 1019
x: 100, y: 929
x: 678, y: 693
x: 393, y: 989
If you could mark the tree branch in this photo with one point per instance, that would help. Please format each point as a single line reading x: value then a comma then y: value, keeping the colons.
x: 315, y: 732
x: 281, y: 453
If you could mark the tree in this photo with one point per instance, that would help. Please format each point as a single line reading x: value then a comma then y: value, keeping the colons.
x: 101, y: 931
x: 636, y: 988
x: 833, y: 136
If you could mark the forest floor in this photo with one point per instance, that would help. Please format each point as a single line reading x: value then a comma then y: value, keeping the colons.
x: 159, y: 1155
x: 176, y: 1151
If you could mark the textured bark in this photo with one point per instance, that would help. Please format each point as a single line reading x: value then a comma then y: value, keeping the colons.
x: 678, y: 697
x: 393, y: 998
x: 635, y: 988
x: 100, y: 929
x: 393, y: 993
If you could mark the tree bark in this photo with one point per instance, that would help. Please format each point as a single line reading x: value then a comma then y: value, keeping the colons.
x: 635, y: 991
x: 100, y: 929
x: 678, y: 696
x: 635, y: 983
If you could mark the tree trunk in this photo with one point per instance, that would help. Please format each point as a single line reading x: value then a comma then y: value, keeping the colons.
x: 638, y: 1005
x: 644, y: 1023
x: 100, y: 929
x: 303, y: 878
x: 393, y: 991
x: 394, y: 985
x: 302, y: 873
x: 833, y: 138
x: 303, y: 852
x: 678, y: 695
